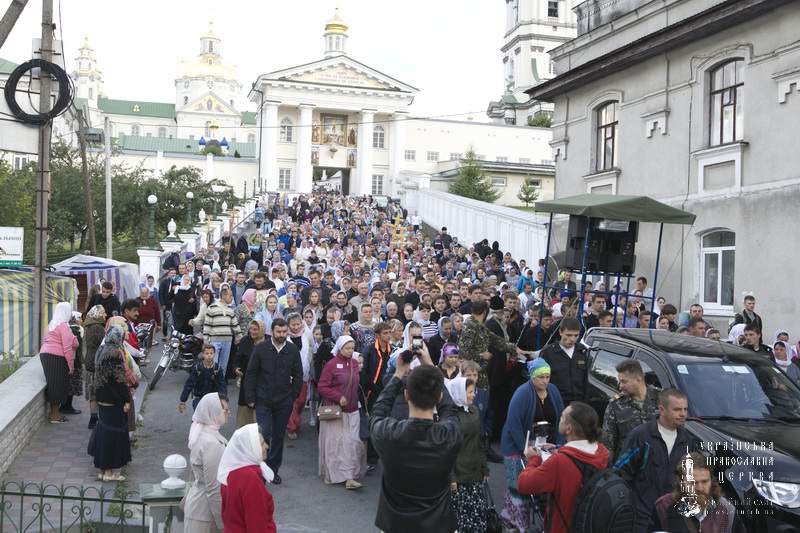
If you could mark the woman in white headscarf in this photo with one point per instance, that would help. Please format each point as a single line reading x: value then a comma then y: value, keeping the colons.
x: 57, y: 356
x: 203, y: 508
x: 471, y: 469
x: 736, y: 334
x: 247, y: 505
x: 780, y: 355
x: 342, y: 455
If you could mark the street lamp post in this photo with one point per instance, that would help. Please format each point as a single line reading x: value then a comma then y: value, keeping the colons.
x: 151, y: 230
x: 189, y: 197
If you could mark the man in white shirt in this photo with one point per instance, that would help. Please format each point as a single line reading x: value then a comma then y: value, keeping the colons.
x: 651, y: 455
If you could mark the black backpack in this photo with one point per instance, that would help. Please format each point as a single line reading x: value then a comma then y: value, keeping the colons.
x: 603, y: 504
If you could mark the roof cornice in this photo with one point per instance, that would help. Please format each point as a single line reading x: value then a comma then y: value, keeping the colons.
x: 698, y: 26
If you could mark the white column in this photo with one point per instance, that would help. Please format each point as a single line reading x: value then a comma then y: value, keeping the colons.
x: 159, y: 163
x: 269, y: 145
x: 149, y: 262
x: 304, y: 171
x: 397, y: 141
x: 209, y: 171
x: 364, y: 159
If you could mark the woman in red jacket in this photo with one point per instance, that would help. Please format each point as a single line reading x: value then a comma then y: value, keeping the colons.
x: 247, y: 505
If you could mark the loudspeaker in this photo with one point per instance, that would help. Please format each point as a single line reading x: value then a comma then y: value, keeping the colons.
x: 611, y: 249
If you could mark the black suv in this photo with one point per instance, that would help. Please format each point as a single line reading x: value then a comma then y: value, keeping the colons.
x: 739, y: 401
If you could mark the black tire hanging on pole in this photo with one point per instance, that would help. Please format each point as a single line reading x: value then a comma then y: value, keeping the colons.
x: 64, y: 91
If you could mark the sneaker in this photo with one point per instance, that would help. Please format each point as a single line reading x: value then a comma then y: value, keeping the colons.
x: 277, y: 480
x: 69, y: 411
x: 291, y: 436
x: 352, y: 484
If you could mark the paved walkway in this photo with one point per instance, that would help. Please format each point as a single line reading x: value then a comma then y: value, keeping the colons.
x: 302, y: 503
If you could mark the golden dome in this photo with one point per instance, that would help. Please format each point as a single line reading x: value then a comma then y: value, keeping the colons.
x: 336, y: 24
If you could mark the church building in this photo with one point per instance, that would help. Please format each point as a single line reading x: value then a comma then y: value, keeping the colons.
x: 334, y: 122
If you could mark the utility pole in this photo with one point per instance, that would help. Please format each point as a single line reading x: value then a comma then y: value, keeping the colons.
x: 87, y: 185
x: 107, y: 141
x: 10, y: 19
x: 43, y: 176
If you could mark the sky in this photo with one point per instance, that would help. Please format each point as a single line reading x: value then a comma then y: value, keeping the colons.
x: 449, y: 49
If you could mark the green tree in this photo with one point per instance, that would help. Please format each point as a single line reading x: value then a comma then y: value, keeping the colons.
x: 540, y: 121
x: 130, y: 188
x: 471, y: 182
x: 527, y: 193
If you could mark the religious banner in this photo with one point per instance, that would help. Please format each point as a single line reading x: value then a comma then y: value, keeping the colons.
x: 351, y: 158
x: 315, y: 133
x: 352, y: 139
x: 315, y: 155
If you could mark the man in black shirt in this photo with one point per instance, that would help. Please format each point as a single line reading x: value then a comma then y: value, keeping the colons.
x: 107, y: 299
x: 568, y: 362
x: 273, y: 381
x: 414, y: 449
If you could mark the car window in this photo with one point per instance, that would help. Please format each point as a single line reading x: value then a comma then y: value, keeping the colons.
x: 604, y: 365
x: 739, y: 389
x: 650, y: 376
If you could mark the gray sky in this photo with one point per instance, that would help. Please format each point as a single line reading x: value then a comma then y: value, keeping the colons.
x: 449, y: 49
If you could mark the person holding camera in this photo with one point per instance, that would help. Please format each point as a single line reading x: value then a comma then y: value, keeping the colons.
x: 416, y: 448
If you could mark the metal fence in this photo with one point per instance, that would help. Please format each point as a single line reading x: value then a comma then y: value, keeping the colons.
x: 37, y: 507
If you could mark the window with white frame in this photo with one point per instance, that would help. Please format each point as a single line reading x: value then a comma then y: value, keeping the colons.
x: 525, y: 160
x: 377, y: 184
x: 534, y: 182
x: 287, y: 131
x: 251, y: 138
x: 717, y: 266
x: 433, y: 156
x: 378, y: 137
x: 455, y: 156
x: 552, y: 8
x: 607, y: 133
x: 498, y: 181
x: 20, y: 161
x: 207, y: 130
x: 136, y: 130
x: 725, y: 99
x: 284, y: 179
x: 411, y: 155
x: 162, y: 132
x: 501, y: 159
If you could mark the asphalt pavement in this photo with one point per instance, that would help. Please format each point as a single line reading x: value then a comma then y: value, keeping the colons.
x: 303, y: 503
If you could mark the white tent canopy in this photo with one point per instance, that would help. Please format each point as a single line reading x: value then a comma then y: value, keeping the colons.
x: 125, y: 276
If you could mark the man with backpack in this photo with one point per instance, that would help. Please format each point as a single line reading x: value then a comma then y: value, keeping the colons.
x: 652, y: 453
x: 568, y: 470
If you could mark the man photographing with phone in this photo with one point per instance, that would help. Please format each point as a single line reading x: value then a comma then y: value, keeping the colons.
x: 416, y: 448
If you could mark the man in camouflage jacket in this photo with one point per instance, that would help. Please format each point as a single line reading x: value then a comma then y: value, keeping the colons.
x: 476, y: 340
x: 636, y: 404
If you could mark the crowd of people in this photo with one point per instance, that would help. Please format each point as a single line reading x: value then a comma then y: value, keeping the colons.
x: 422, y: 354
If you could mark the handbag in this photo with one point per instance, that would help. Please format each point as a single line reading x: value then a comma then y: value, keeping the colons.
x: 333, y: 411
x: 493, y: 524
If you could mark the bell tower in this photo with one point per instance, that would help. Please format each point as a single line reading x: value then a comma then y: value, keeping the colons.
x: 335, y: 36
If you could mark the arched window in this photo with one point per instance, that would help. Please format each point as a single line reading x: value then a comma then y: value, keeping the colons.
x: 210, y: 47
x: 717, y: 262
x: 378, y: 136
x: 136, y: 130
x: 607, y: 134
x: 251, y: 138
x: 287, y: 131
x: 162, y: 132
x: 207, y: 133
x: 725, y: 100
